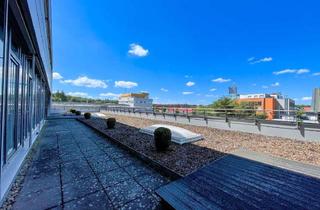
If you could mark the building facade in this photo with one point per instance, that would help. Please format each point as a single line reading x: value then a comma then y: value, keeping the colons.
x: 316, y: 100
x: 274, y: 105
x: 135, y: 100
x: 25, y: 82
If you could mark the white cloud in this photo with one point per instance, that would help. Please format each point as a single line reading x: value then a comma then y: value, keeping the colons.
x: 189, y: 84
x: 125, y: 84
x: 164, y: 90
x: 316, y: 74
x: 213, y: 89
x: 144, y: 91
x: 110, y: 95
x: 187, y: 76
x: 78, y: 94
x: 221, y: 80
x: 291, y: 71
x: 306, y: 98
x: 265, y: 87
x: 276, y: 84
x: 84, y: 81
x: 137, y: 50
x: 187, y: 93
x: 210, y: 95
x: 302, y: 71
x: 56, y: 75
x: 253, y: 60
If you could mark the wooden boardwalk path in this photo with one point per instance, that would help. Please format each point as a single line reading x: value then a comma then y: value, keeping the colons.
x: 238, y: 182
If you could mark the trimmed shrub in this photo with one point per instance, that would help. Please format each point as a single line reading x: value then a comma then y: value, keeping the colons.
x: 162, y: 138
x: 111, y: 122
x: 78, y: 113
x: 72, y: 111
x: 87, y: 115
x: 261, y: 116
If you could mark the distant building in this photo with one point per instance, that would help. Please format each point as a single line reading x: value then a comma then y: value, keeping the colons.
x: 316, y: 100
x: 261, y: 102
x: 284, y: 103
x: 233, y: 92
x: 257, y: 95
x: 307, y: 108
x: 139, y: 100
x: 274, y: 105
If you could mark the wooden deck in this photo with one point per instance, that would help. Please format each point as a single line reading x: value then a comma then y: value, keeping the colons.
x: 239, y: 182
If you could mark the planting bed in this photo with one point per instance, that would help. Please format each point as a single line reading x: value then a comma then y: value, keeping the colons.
x: 184, y: 159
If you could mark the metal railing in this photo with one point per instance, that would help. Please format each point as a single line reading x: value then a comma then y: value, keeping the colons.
x: 290, y: 116
x: 65, y: 107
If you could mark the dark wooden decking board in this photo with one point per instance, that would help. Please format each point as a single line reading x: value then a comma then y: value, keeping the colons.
x: 299, y: 167
x: 235, y: 182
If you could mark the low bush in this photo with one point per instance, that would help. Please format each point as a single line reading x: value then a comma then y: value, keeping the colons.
x: 111, y: 122
x: 261, y: 116
x: 72, y: 111
x: 78, y: 113
x: 87, y: 115
x: 162, y: 138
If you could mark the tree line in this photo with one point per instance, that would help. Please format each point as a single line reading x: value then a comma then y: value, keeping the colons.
x: 60, y: 96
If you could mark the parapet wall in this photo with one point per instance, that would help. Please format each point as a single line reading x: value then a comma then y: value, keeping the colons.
x: 286, y: 131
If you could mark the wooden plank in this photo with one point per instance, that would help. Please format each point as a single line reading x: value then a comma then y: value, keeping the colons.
x: 235, y: 182
x: 291, y: 165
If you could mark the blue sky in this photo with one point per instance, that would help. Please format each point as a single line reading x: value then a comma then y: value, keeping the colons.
x: 186, y: 51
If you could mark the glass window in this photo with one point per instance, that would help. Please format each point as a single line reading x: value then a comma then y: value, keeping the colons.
x: 11, y: 106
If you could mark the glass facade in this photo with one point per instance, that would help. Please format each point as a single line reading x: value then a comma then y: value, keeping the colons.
x: 25, y: 77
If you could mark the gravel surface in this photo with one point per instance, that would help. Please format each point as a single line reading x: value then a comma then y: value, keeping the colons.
x: 186, y: 158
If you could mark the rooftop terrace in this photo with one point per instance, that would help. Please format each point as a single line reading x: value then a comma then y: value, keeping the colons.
x: 77, y: 163
x: 72, y: 167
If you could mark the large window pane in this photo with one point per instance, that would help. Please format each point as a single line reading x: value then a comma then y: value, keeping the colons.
x: 11, y: 106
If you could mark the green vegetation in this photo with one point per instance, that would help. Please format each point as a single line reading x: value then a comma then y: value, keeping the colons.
x: 261, y: 116
x: 224, y: 103
x: 162, y: 138
x: 87, y: 115
x: 299, y: 114
x: 73, y: 111
x: 227, y: 106
x: 111, y: 122
x: 62, y: 97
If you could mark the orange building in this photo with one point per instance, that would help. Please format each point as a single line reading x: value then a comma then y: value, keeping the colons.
x: 266, y: 105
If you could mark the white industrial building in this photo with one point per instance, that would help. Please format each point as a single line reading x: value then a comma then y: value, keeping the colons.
x: 135, y: 100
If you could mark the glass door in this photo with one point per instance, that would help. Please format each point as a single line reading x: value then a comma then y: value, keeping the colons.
x: 11, y: 120
x: 29, y: 108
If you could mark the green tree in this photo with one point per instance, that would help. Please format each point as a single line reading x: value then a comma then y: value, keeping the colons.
x: 60, y: 96
x: 224, y: 103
